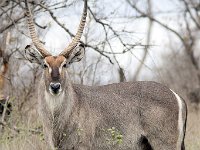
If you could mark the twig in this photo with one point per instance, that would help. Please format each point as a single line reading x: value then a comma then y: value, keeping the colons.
x: 5, y: 109
x: 14, y: 23
x: 56, y: 20
x: 4, y: 112
x: 18, y: 130
x: 157, y: 21
x: 71, y: 34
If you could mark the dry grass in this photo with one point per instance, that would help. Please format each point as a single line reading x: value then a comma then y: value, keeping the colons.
x: 192, y: 139
x: 23, y: 133
x: 23, y: 142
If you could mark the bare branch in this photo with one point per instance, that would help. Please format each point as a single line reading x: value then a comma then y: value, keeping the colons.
x: 157, y: 21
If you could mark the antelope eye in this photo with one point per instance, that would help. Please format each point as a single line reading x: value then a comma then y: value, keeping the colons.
x: 65, y: 66
x: 45, y: 66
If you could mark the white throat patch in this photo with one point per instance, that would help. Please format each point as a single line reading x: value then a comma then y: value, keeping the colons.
x: 54, y: 101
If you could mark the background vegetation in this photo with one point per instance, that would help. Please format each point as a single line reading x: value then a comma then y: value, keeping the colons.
x: 126, y: 40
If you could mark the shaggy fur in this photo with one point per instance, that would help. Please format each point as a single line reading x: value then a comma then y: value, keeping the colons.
x: 145, y: 114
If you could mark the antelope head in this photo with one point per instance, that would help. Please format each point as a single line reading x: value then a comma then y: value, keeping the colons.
x: 54, y: 67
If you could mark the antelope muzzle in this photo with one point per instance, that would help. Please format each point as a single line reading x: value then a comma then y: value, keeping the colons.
x: 55, y: 88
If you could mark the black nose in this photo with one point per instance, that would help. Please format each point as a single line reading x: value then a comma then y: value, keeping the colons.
x: 55, y: 87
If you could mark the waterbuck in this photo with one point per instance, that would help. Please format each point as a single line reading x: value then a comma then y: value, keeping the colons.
x: 132, y: 115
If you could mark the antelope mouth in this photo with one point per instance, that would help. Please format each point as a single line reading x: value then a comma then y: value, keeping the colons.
x: 55, y: 93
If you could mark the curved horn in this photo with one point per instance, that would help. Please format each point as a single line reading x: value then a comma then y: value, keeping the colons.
x: 35, y: 40
x: 79, y: 33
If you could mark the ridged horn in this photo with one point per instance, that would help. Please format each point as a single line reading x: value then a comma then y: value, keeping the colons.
x: 33, y: 34
x: 79, y: 33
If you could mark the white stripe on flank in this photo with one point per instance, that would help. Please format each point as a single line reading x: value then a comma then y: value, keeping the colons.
x: 180, y: 120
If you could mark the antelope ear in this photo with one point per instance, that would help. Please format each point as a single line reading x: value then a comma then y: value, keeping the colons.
x: 33, y: 55
x: 77, y: 54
